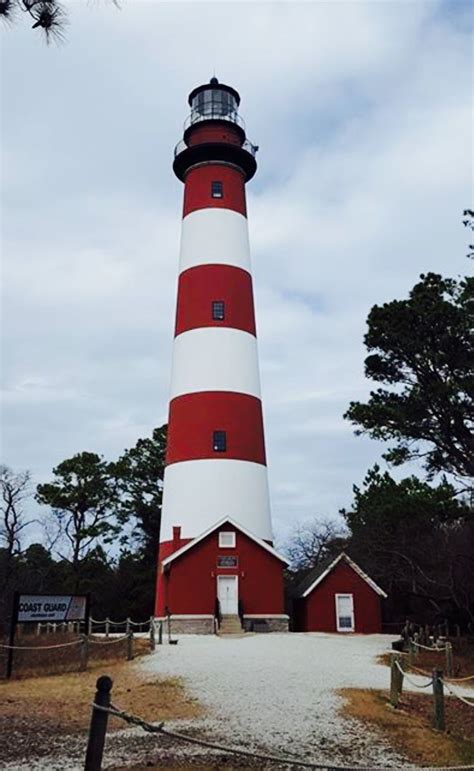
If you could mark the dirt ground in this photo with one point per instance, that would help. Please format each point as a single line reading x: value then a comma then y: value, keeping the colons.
x: 409, y: 726
x: 56, y: 706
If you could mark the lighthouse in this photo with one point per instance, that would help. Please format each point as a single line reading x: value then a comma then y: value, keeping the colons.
x: 217, y: 567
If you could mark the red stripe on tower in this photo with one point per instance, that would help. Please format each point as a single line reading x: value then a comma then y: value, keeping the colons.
x: 198, y: 191
x: 215, y: 296
x: 192, y: 425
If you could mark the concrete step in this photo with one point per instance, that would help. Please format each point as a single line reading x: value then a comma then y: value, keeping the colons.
x: 230, y: 625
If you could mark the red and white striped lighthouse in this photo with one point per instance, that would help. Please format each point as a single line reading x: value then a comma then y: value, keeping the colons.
x: 216, y: 475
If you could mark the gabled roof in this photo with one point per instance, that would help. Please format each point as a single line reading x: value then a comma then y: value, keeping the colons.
x: 320, y: 572
x: 216, y: 526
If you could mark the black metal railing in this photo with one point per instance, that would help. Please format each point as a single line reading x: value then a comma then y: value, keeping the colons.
x: 247, y: 146
x: 240, y: 610
x: 217, y: 612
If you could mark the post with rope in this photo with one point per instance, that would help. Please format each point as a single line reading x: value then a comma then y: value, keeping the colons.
x: 152, y: 634
x: 130, y: 646
x: 98, y: 725
x: 160, y: 633
x: 438, y: 700
x: 107, y: 626
x: 127, y: 625
x: 416, y: 640
x: 396, y: 679
x: 84, y: 652
x: 449, y: 659
x: 411, y: 651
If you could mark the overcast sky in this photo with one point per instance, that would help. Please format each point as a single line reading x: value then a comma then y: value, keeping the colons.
x: 362, y: 114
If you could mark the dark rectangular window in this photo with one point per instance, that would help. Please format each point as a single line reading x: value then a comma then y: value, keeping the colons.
x: 217, y: 190
x: 219, y: 441
x: 218, y: 310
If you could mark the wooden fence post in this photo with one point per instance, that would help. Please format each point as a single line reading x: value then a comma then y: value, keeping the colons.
x: 89, y: 630
x: 127, y: 625
x: 416, y: 640
x: 449, y: 659
x: 396, y: 679
x: 152, y: 634
x: 98, y: 725
x: 438, y: 700
x: 107, y: 626
x: 160, y: 633
x: 130, y: 646
x: 38, y: 629
x: 84, y: 652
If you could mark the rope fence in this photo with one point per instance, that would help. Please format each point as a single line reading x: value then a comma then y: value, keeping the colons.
x: 83, y: 642
x: 409, y: 680
x: 435, y: 647
x: 102, y: 708
x: 457, y: 696
x: 436, y: 679
x: 39, y: 647
x: 109, y: 642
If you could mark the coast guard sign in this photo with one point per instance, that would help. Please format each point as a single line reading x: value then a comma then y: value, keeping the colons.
x: 41, y: 607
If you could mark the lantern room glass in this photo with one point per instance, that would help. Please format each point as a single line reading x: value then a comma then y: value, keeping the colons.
x: 214, y: 103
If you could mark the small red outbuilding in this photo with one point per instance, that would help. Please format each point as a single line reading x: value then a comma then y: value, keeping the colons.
x: 338, y: 596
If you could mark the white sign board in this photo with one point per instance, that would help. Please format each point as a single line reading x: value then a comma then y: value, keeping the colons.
x: 41, y: 607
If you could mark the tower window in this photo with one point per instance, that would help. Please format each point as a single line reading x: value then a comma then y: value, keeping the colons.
x: 219, y: 441
x: 217, y: 190
x: 218, y: 310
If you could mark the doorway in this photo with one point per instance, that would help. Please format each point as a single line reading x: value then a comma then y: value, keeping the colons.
x: 228, y: 595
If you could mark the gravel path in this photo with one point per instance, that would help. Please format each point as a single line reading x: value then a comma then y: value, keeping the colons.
x: 277, y: 692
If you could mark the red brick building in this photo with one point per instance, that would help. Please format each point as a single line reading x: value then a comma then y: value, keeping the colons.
x: 338, y: 597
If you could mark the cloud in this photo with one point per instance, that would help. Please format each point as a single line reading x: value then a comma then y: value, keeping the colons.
x: 360, y: 110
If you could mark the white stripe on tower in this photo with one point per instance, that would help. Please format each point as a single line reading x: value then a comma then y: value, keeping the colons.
x: 210, y: 359
x: 214, y: 237
x: 233, y: 488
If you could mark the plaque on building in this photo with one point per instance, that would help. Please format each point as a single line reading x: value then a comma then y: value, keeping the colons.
x: 227, y: 561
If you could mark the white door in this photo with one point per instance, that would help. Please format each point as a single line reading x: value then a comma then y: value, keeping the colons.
x: 345, y: 612
x: 227, y: 593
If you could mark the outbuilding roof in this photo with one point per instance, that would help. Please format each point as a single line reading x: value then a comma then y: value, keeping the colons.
x: 320, y: 572
x: 216, y: 526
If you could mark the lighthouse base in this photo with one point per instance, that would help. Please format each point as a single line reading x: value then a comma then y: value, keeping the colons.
x: 188, y: 624
x: 264, y: 623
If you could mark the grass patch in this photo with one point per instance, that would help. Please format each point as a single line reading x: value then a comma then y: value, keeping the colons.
x: 408, y: 728
x: 55, y: 706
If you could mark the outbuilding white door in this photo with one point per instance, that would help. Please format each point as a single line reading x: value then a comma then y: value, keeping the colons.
x: 345, y: 612
x: 227, y: 593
